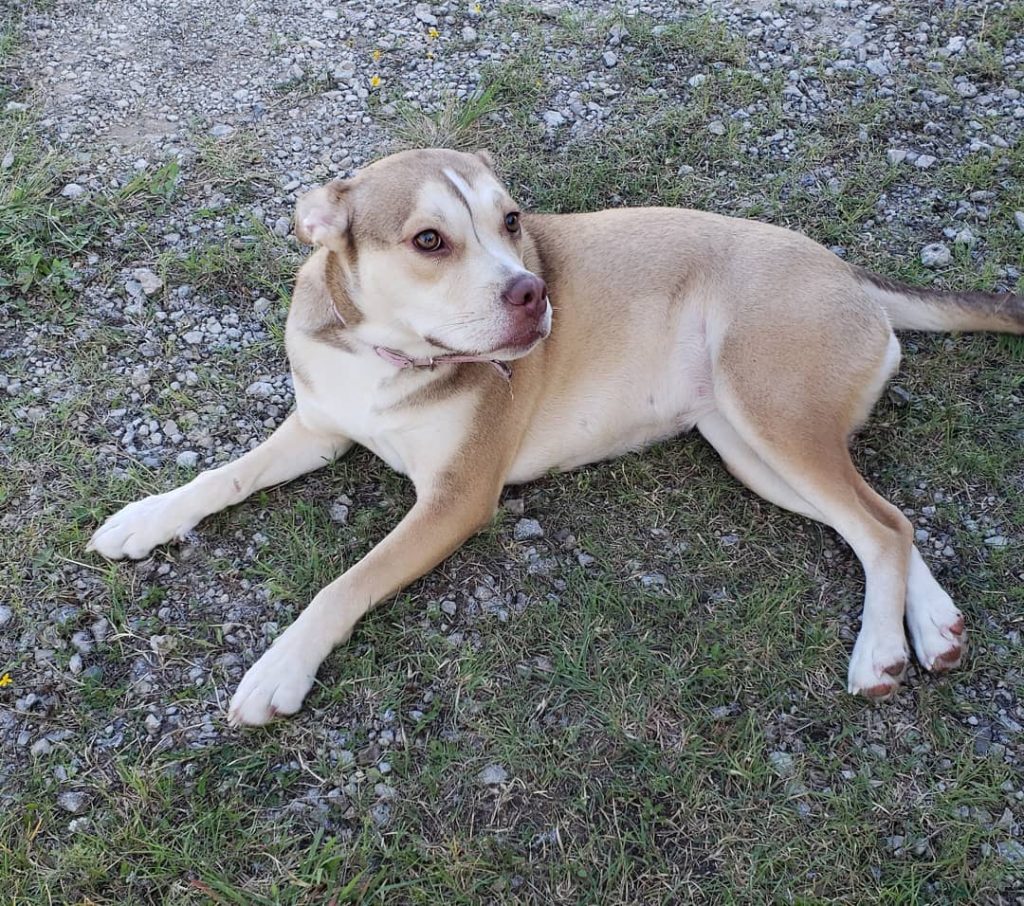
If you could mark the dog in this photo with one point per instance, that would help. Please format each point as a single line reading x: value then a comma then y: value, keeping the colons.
x: 472, y: 346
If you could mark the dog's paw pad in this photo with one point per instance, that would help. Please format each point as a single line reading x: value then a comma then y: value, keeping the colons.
x: 940, y: 638
x: 877, y: 668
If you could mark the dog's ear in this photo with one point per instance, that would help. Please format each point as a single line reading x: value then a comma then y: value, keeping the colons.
x: 485, y: 158
x: 321, y: 215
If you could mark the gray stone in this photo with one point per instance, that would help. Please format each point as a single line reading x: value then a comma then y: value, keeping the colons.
x: 1018, y: 218
x: 924, y: 161
x: 553, y: 118
x: 528, y: 530
x: 469, y: 34
x: 896, y: 156
x: 149, y: 281
x: 492, y: 775
x: 222, y: 130
x: 782, y: 763
x: 1011, y: 850
x: 73, y: 191
x: 6, y: 615
x: 610, y: 58
x: 423, y: 13
x: 936, y: 255
x: 260, y: 389
x: 187, y: 459
x: 73, y: 801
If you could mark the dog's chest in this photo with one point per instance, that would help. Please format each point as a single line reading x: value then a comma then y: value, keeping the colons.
x: 368, y: 401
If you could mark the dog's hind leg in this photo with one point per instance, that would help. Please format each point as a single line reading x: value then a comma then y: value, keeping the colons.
x: 782, y: 425
x: 291, y: 451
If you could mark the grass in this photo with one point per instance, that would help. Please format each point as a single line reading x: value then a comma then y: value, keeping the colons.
x: 640, y: 727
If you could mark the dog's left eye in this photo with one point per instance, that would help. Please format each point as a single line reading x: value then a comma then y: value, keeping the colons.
x: 512, y: 222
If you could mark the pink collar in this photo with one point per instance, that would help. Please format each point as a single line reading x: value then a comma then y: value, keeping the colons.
x: 401, y: 360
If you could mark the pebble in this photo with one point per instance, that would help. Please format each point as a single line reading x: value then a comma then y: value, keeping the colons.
x: 1018, y: 218
x: 553, y: 118
x: 423, y: 13
x: 6, y: 615
x: 1011, y: 850
x: 782, y: 763
x: 260, y: 389
x: 73, y: 191
x: 924, y: 161
x: 149, y: 281
x: 187, y: 459
x: 527, y: 530
x: 492, y: 775
x: 73, y: 801
x: 610, y: 58
x: 936, y: 255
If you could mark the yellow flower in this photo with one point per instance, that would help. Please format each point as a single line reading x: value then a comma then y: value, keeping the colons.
x: 430, y: 55
x: 476, y: 8
x: 376, y: 56
x: 5, y: 680
x: 432, y: 33
x: 374, y: 81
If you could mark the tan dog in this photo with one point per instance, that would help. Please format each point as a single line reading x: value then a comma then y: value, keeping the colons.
x: 416, y: 330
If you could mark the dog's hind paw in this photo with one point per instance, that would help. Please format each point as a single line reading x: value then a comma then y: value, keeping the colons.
x: 877, y: 667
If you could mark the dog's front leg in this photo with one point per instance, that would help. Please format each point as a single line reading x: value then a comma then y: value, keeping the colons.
x: 292, y: 450
x: 444, y: 516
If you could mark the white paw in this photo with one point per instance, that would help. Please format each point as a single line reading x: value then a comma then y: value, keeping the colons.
x: 877, y: 665
x: 135, y: 530
x: 937, y: 630
x: 278, y: 682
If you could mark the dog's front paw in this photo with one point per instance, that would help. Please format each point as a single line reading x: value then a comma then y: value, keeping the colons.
x: 135, y: 530
x: 877, y: 666
x: 278, y: 682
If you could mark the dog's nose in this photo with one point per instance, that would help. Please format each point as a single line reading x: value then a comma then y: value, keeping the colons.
x: 528, y: 291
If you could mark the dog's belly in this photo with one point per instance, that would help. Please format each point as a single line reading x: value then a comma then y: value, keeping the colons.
x: 620, y: 406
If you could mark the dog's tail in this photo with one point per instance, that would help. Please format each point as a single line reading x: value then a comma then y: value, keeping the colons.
x: 919, y: 308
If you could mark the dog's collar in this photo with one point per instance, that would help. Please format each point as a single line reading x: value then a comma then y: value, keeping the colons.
x: 402, y: 361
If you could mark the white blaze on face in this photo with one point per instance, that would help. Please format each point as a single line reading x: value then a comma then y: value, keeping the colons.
x: 486, y: 215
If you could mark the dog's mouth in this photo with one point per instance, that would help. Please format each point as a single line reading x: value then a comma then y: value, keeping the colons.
x: 517, y: 343
x: 524, y: 337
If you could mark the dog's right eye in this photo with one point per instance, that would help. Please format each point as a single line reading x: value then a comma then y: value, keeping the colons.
x: 428, y: 241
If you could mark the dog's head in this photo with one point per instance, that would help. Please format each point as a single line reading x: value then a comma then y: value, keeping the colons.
x: 431, y: 244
